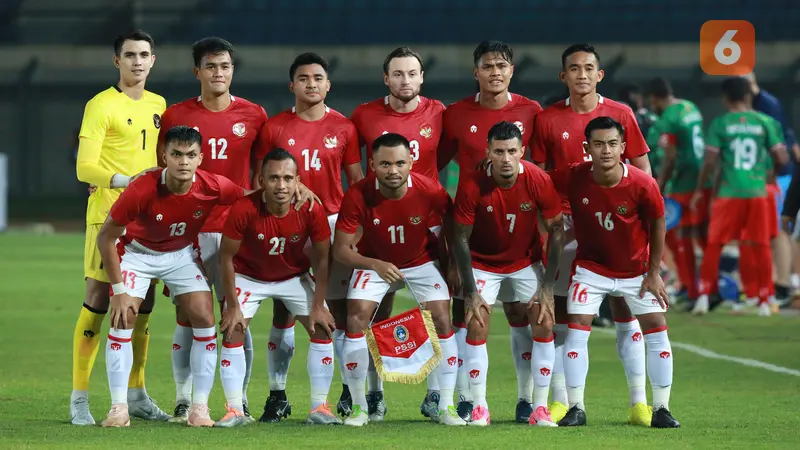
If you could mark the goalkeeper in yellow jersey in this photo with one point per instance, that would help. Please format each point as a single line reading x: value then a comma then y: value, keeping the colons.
x: 118, y: 140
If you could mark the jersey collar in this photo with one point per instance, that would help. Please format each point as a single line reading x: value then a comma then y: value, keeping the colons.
x: 489, y: 169
x: 624, y: 170
x: 294, y: 109
x: 378, y: 185
x: 599, y: 99
x: 200, y: 98
x: 164, y: 176
x: 478, y: 97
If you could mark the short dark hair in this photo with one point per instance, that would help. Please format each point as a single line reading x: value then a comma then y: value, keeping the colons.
x: 736, y: 89
x: 210, y: 46
x: 659, y: 87
x: 402, y: 52
x: 501, y: 48
x: 578, y: 48
x: 182, y: 134
x: 626, y: 94
x: 277, y: 154
x: 306, y: 59
x: 603, y: 123
x: 390, y: 140
x: 504, y: 131
x: 135, y: 34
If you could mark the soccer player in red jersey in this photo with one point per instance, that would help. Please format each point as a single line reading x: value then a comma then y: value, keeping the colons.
x: 262, y: 256
x: 496, y: 242
x: 466, y: 126
x: 229, y: 126
x: 394, y: 208
x: 324, y: 143
x: 157, y: 220
x: 618, y: 215
x: 418, y: 119
x: 558, y: 141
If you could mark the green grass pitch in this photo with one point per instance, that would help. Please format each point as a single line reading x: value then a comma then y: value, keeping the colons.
x: 720, y: 404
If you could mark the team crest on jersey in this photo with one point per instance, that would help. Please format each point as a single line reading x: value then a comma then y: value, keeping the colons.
x: 291, y: 142
x: 525, y: 206
x: 239, y: 129
x: 156, y: 120
x: 159, y: 217
x: 520, y: 126
x: 295, y: 238
x: 330, y: 141
x: 415, y: 220
x: 565, y: 135
x: 260, y: 236
x: 622, y: 209
x: 198, y: 213
x: 426, y: 131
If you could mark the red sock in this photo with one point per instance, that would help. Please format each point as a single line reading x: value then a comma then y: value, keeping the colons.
x: 683, y: 253
x: 749, y: 270
x: 709, y: 269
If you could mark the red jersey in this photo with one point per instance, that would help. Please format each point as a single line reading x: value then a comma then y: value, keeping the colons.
x: 272, y: 247
x: 559, y: 134
x: 505, y: 234
x: 228, y: 140
x: 612, y: 225
x: 322, y: 149
x: 422, y: 127
x: 395, y: 231
x: 467, y: 124
x: 165, y: 222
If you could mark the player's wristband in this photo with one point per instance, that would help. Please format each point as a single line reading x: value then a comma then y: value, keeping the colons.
x: 120, y: 181
x: 118, y: 288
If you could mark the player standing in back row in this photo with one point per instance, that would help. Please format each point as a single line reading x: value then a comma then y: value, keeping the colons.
x: 739, y: 141
x: 558, y: 141
x: 619, y: 225
x: 466, y: 126
x: 324, y: 143
x: 418, y: 119
x: 229, y: 126
x: 117, y: 140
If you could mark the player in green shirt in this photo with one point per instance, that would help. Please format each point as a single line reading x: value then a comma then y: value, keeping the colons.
x: 739, y: 141
x: 680, y: 134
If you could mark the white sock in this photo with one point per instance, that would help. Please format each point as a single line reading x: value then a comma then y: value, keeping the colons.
x: 521, y: 351
x: 576, y: 363
x: 477, y: 364
x: 279, y: 354
x: 320, y: 370
x: 433, y: 381
x: 447, y: 371
x: 630, y: 348
x: 181, y: 364
x: 204, y: 363
x: 356, y: 360
x: 558, y: 384
x: 137, y: 394
x: 659, y: 365
x: 462, y: 378
x: 79, y: 394
x: 338, y: 347
x: 232, y: 367
x: 374, y: 382
x: 249, y: 354
x: 544, y: 352
x: 119, y: 360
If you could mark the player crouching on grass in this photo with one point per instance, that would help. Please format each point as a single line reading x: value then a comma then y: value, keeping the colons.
x: 161, y: 214
x: 618, y: 214
x: 262, y: 257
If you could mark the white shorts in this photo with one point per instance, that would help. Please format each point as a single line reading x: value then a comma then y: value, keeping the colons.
x: 519, y: 286
x: 564, y: 274
x: 209, y: 253
x: 179, y: 270
x: 589, y: 289
x: 297, y: 294
x: 425, y: 283
x: 338, y: 275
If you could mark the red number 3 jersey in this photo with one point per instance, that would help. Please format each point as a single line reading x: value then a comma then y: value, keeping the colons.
x: 228, y: 140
